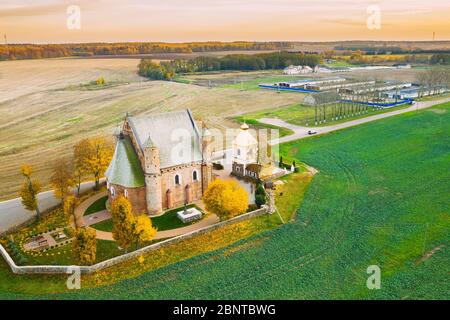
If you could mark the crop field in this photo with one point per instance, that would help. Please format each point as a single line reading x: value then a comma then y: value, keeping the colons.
x: 380, y: 198
x: 48, y: 105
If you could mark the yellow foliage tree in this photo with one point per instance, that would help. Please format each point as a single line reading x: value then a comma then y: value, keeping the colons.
x: 100, y: 81
x: 70, y: 203
x: 123, y: 222
x: 85, y: 246
x: 143, y: 230
x: 30, y: 190
x: 225, y: 198
x: 61, y: 179
x: 93, y: 156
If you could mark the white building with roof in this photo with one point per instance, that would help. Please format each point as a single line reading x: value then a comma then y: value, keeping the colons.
x: 245, y: 151
x: 291, y: 70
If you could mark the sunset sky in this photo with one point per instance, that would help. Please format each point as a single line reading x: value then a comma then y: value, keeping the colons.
x: 44, y: 21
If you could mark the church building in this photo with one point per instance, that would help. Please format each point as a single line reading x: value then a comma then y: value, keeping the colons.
x: 161, y: 161
x: 250, y: 158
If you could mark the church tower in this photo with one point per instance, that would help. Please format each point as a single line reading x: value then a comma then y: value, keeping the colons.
x: 152, y: 178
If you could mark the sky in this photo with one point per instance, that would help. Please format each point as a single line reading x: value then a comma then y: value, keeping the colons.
x: 49, y: 21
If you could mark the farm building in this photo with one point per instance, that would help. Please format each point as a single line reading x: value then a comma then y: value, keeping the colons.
x: 414, y: 92
x: 376, y: 88
x: 339, y: 85
x: 402, y: 66
x: 322, y: 98
x: 297, y: 70
x: 304, y: 84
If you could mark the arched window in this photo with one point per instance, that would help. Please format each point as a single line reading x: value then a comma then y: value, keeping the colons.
x: 195, y: 175
x: 238, y: 152
x: 125, y: 193
x: 177, y: 180
x: 112, y: 191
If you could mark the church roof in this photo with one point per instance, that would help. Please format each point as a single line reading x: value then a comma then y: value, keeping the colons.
x: 125, y: 169
x: 168, y: 132
x: 245, y: 138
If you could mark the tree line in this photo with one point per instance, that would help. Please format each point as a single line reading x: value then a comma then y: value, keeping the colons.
x: 440, y: 59
x: 35, y: 51
x: 166, y: 70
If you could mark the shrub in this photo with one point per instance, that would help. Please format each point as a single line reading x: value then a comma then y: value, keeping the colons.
x: 260, y: 200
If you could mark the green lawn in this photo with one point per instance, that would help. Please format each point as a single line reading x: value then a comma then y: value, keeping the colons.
x: 303, y: 115
x: 168, y: 220
x: 380, y: 198
x: 98, y: 205
x: 105, y: 225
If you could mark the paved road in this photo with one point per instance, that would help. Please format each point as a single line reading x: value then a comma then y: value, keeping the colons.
x: 302, y: 132
x: 12, y: 213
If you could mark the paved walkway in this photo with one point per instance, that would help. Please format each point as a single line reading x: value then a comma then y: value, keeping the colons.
x: 79, y: 211
x: 302, y: 132
x: 209, y: 220
x: 97, y: 217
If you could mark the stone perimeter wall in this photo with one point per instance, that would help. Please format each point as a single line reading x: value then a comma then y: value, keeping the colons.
x: 108, y: 263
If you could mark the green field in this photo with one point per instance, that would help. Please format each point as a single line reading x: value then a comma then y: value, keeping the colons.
x: 303, y: 115
x: 380, y: 198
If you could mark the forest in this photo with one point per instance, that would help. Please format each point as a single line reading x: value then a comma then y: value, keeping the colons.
x: 34, y: 51
x: 276, y: 60
x: 440, y: 59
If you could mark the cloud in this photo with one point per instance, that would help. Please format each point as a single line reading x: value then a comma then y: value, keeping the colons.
x: 46, y: 8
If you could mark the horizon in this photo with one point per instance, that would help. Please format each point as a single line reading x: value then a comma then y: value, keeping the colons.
x: 231, y: 41
x: 176, y: 21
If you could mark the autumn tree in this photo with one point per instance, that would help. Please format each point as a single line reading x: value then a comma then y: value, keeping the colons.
x: 143, y: 230
x: 123, y: 222
x: 93, y: 156
x: 61, y: 179
x: 77, y: 174
x: 225, y: 198
x: 70, y: 204
x: 100, y: 81
x: 85, y: 246
x: 30, y: 190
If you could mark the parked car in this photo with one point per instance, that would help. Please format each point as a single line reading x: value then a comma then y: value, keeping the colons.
x: 310, y: 132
